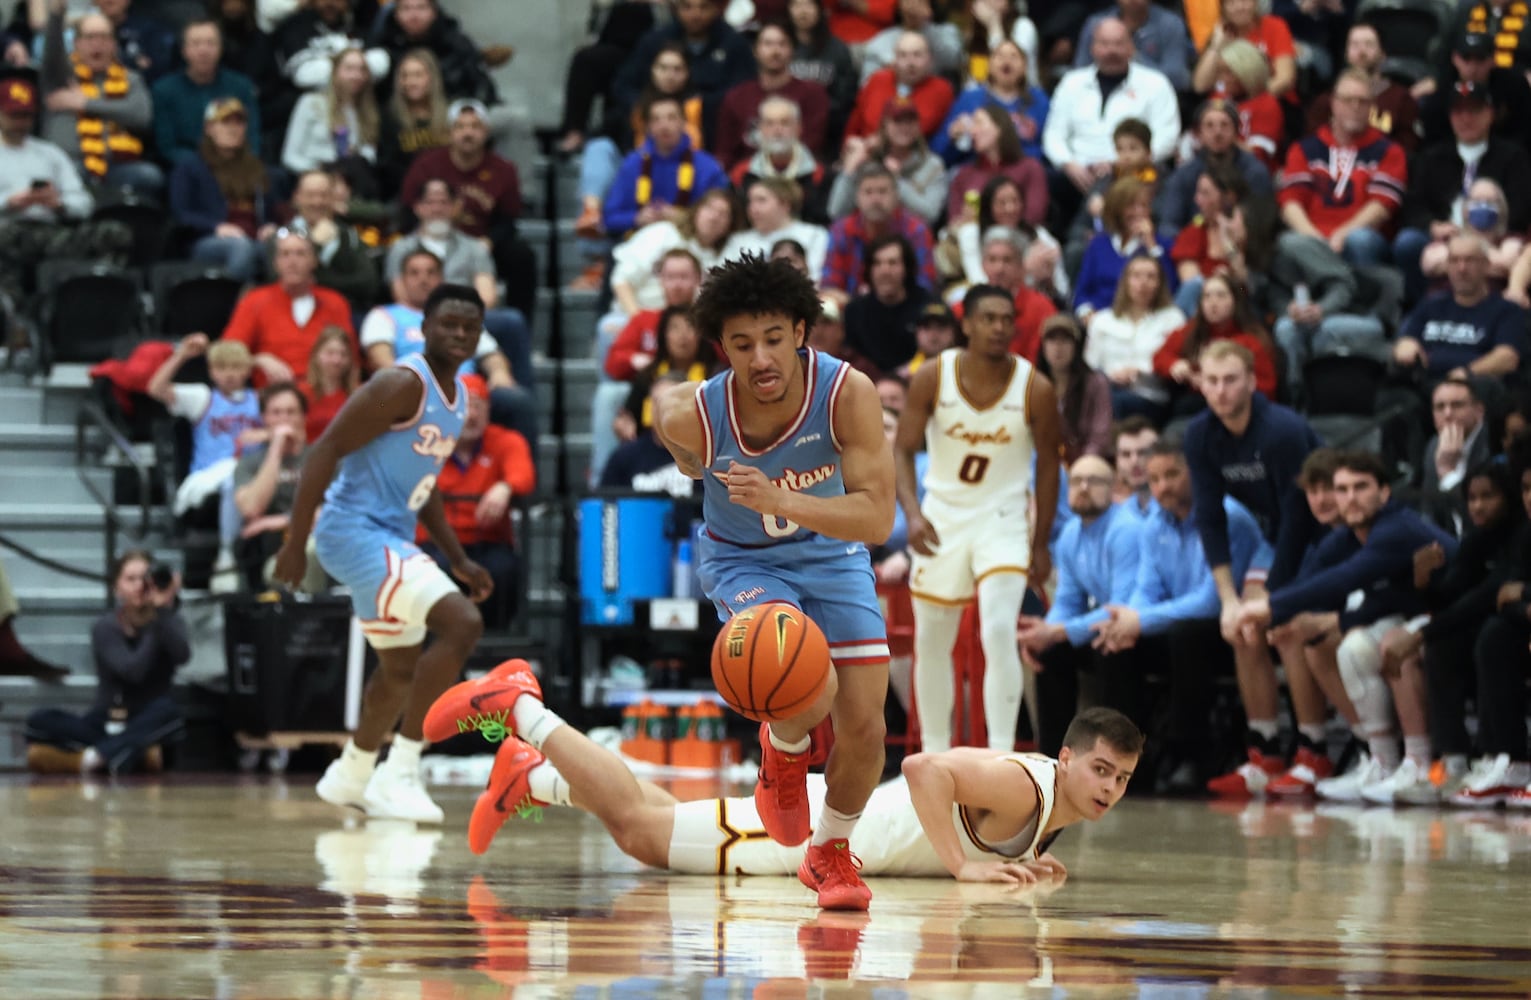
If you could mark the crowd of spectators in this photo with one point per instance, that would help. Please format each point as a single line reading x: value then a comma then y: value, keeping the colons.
x: 1204, y: 214
x: 335, y: 159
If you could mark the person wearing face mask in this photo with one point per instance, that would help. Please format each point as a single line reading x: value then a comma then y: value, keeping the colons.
x: 1439, y: 198
x: 1485, y: 215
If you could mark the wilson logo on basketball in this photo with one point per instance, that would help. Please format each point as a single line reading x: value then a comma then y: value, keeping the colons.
x: 960, y: 432
x: 796, y: 481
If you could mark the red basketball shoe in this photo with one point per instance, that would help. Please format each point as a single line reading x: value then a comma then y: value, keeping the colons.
x: 508, y: 791
x: 1248, y: 779
x: 834, y: 873
x: 1307, y: 770
x: 830, y: 944
x: 483, y: 703
x: 781, y: 792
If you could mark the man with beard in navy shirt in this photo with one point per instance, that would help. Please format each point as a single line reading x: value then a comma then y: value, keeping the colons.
x: 1251, y: 449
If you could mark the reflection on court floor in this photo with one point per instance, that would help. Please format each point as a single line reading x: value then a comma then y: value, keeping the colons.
x: 255, y: 889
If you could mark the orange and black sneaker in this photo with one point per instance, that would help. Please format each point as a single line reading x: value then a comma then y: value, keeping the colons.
x: 483, y: 704
x: 1309, y: 767
x: 508, y: 793
x: 1250, y: 778
x: 833, y: 872
x: 781, y: 792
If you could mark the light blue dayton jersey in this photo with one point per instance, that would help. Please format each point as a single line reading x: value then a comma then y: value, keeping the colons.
x: 215, y: 435
x: 388, y: 479
x: 804, y: 459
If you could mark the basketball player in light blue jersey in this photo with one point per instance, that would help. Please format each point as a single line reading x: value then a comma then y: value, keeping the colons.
x: 797, y: 481
x: 389, y: 443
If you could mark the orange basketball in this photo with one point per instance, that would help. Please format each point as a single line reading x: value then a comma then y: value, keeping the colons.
x: 770, y: 662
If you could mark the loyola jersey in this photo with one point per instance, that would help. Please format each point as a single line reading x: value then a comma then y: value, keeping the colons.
x: 388, y: 479
x: 1031, y: 842
x: 805, y: 459
x: 979, y: 458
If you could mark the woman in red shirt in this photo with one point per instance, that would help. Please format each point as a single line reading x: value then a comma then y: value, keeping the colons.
x: 1245, y: 80
x: 1268, y: 33
x: 1205, y: 246
x: 331, y: 378
x: 1224, y: 314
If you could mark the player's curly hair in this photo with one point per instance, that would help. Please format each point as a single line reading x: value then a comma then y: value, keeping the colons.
x: 753, y: 285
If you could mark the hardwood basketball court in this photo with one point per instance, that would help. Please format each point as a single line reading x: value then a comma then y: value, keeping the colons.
x: 252, y: 888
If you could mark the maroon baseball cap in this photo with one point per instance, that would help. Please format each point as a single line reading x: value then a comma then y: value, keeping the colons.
x: 18, y: 97
x: 900, y: 107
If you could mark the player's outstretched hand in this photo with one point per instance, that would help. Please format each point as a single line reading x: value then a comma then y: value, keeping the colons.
x: 1003, y: 872
x: 922, y: 537
x: 291, y: 563
x: 1047, y: 866
x: 749, y: 487
x: 480, y: 583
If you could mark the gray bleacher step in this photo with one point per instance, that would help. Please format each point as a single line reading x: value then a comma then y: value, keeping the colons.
x: 567, y: 201
x: 570, y: 261
x: 579, y: 320
x: 80, y: 554
x: 26, y: 484
x: 36, y: 439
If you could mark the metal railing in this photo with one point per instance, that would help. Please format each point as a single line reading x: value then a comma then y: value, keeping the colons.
x: 92, y: 417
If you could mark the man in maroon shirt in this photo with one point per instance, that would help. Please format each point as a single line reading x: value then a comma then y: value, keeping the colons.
x: 736, y: 140
x: 490, y: 192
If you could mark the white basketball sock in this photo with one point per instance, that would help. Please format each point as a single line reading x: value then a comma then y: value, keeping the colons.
x: 935, y: 633
x: 999, y: 604
x: 834, y: 825
x: 801, y: 746
x: 1417, y: 749
x: 547, y: 785
x: 405, y: 752
x: 358, y: 760
x: 535, y: 722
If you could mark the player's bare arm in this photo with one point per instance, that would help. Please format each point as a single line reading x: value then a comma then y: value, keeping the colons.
x: 389, y: 397
x: 678, y: 425
x: 983, y: 783
x: 1042, y: 407
x: 865, y: 513
x: 919, y: 407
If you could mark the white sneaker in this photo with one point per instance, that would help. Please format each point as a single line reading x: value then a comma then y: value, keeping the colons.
x: 1408, y: 783
x: 344, y: 784
x: 225, y: 578
x: 1347, y: 787
x: 1455, y: 783
x: 1495, y: 783
x: 398, y: 793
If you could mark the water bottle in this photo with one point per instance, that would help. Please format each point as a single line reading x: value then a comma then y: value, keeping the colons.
x: 342, y: 141
x: 1301, y: 296
x: 680, y: 571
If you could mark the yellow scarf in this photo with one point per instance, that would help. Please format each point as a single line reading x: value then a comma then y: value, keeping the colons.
x: 103, y: 142
x: 1507, y: 38
x: 697, y: 372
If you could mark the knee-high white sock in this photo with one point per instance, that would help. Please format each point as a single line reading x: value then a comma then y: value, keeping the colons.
x: 1360, y: 662
x: 548, y: 785
x: 935, y: 633
x: 999, y: 604
x: 534, y: 721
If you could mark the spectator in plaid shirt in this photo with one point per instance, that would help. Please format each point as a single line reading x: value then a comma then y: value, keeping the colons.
x: 878, y: 213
